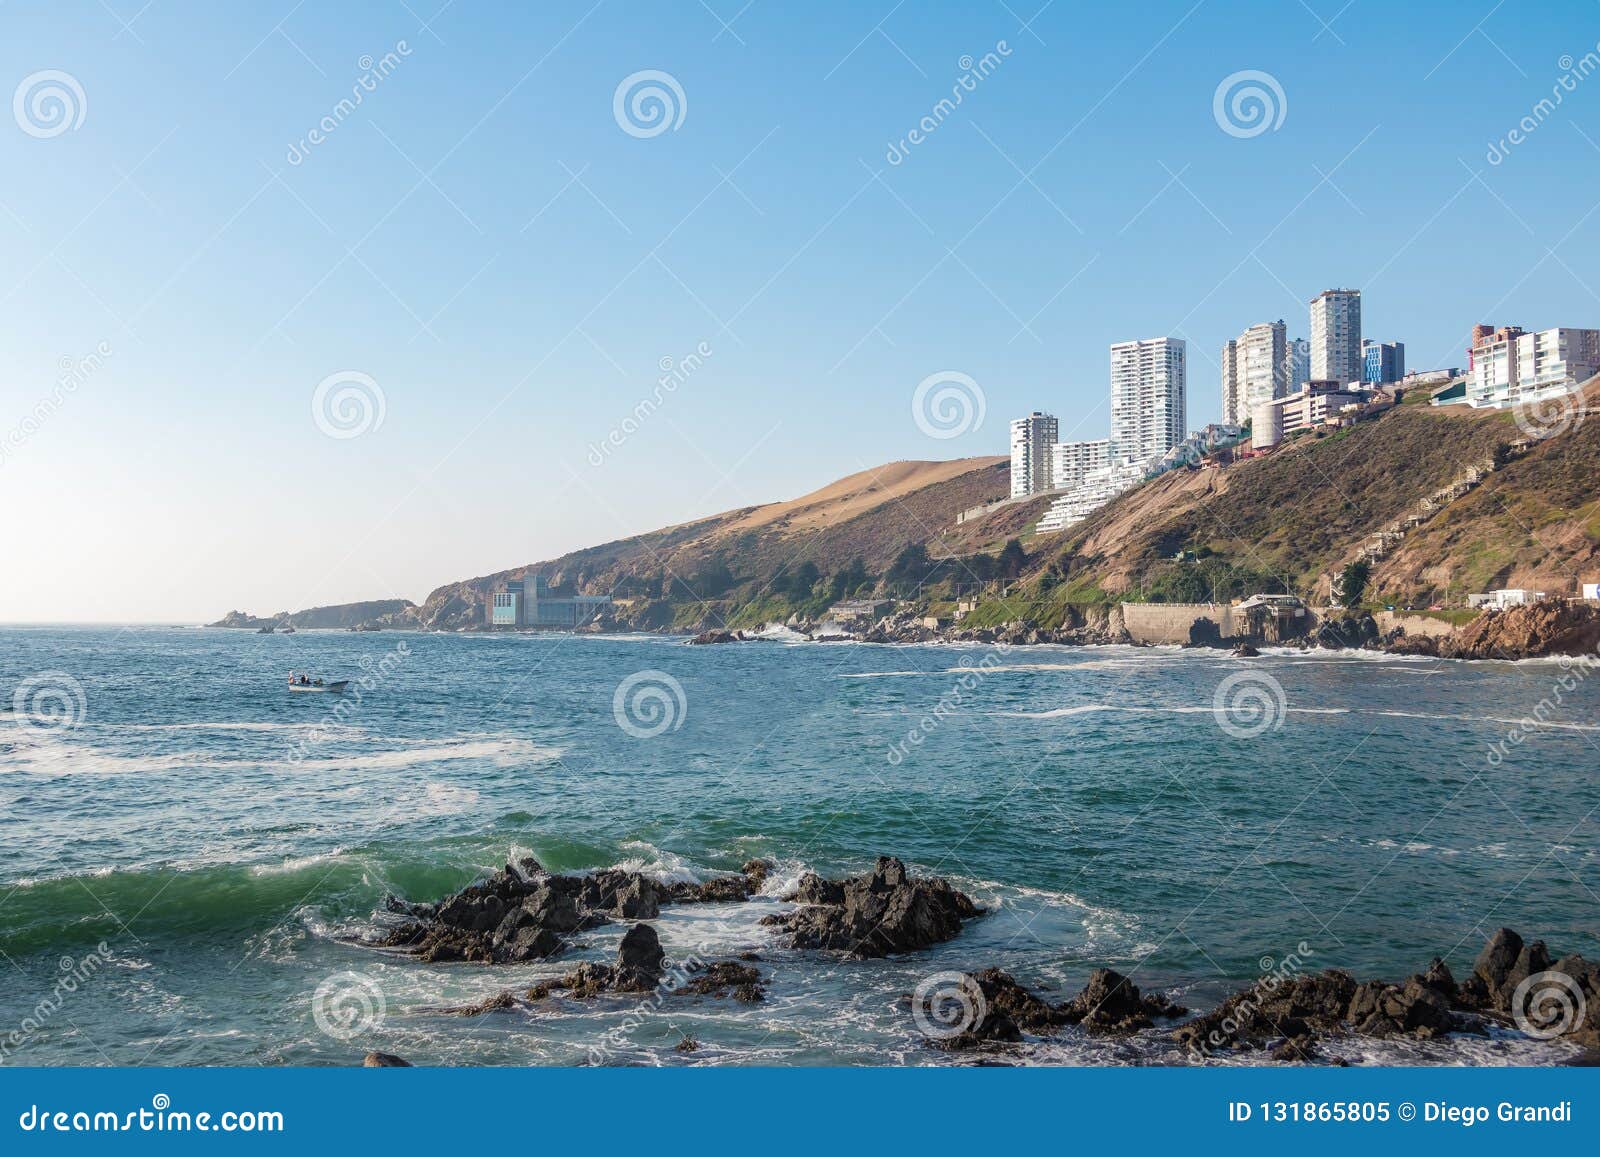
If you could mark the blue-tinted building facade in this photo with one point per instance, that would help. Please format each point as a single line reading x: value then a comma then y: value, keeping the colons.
x: 1382, y: 361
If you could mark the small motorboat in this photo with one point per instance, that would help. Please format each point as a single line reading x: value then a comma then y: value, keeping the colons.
x: 289, y: 630
x: 307, y: 683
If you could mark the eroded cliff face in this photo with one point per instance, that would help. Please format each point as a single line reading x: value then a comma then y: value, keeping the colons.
x: 1554, y: 627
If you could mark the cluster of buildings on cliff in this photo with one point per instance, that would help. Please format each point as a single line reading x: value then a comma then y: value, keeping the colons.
x: 1272, y: 387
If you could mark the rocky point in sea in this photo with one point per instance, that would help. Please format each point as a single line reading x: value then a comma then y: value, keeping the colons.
x: 883, y: 911
x: 524, y: 912
x: 1286, y: 1017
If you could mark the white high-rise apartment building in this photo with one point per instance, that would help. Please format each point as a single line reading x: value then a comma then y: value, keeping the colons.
x: 1149, y: 404
x: 1070, y: 461
x: 1255, y: 369
x: 1511, y: 367
x: 1336, y: 336
x: 1031, y: 441
x: 1297, y: 360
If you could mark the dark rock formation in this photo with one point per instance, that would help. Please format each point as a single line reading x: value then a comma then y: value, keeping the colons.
x: 991, y: 1008
x: 520, y: 913
x: 882, y: 912
x: 1274, y: 1008
x: 722, y: 979
x: 384, y: 1061
x: 639, y: 967
x: 716, y: 636
x: 721, y: 889
x: 1512, y: 981
x: 1111, y: 1003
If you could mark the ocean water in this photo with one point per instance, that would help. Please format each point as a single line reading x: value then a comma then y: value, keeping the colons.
x: 193, y: 846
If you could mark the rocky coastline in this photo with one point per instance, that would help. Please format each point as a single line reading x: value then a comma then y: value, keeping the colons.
x: 1290, y: 1015
x: 1549, y: 628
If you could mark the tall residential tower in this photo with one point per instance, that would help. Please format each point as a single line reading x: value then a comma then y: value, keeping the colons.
x: 1031, y: 441
x: 1336, y: 336
x: 1149, y: 405
x: 1255, y: 369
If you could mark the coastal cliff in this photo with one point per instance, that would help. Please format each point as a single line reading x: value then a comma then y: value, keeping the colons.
x: 1433, y: 502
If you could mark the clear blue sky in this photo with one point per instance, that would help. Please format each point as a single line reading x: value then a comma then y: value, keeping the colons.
x: 483, y: 239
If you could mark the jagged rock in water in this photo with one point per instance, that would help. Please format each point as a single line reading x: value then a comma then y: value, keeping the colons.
x: 520, y: 913
x: 721, y: 889
x: 377, y: 1060
x: 882, y: 912
x: 639, y: 967
x: 722, y: 979
x: 1111, y: 1003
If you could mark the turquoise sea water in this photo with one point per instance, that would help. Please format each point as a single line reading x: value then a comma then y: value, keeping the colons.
x: 220, y: 835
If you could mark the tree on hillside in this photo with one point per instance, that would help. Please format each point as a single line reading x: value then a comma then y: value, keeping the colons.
x: 798, y: 582
x: 848, y: 580
x: 910, y: 565
x: 1013, y: 559
x: 1353, y: 582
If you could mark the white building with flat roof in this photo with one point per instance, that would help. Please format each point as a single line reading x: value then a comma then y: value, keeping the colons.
x: 1149, y: 405
x: 1336, y: 336
x: 1031, y: 441
x: 1255, y: 369
x: 1510, y: 367
x: 1070, y: 461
